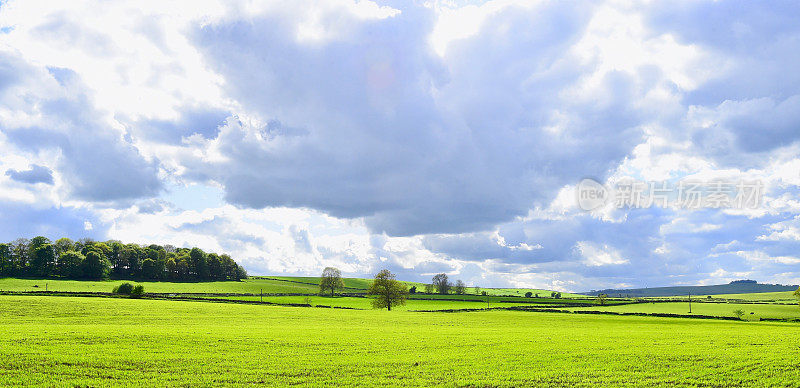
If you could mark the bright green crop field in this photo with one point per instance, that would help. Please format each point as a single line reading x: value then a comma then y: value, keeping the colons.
x: 67, y: 341
x: 353, y: 284
x: 522, y: 291
x: 254, y: 285
x: 785, y: 296
x: 247, y: 286
x: 366, y: 303
x: 714, y: 309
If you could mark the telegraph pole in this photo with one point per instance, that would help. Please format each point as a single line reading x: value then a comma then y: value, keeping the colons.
x: 690, y: 302
x: 262, y: 295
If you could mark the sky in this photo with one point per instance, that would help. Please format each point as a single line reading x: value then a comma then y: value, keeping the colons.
x: 417, y: 136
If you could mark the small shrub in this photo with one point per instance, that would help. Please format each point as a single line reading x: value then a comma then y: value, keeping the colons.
x: 528, y: 294
x: 137, y: 291
x: 412, y: 290
x: 124, y: 289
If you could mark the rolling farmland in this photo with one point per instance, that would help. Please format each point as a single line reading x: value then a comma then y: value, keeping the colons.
x: 102, y: 341
x: 228, y: 334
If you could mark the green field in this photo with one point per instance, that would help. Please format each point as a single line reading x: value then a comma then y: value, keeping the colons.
x: 785, y: 296
x: 66, y: 341
x: 783, y: 311
x: 254, y: 285
x: 247, y: 286
x: 522, y: 291
x: 351, y: 284
x: 366, y: 303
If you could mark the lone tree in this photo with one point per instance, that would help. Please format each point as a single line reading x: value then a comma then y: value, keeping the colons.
x: 797, y: 294
x: 739, y: 313
x: 442, y: 283
x: 601, y: 299
x: 477, y: 290
x: 387, y: 290
x: 331, y: 280
x: 460, y: 288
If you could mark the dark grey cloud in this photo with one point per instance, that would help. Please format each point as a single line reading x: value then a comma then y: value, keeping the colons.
x: 153, y: 206
x: 416, y: 144
x: 204, y: 121
x: 748, y: 103
x: 36, y: 174
x: 661, y: 247
x: 751, y: 42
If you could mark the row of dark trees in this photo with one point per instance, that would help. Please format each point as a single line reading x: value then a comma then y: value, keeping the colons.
x: 89, y: 259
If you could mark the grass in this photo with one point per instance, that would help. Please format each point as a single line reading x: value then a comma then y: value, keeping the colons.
x: 351, y: 284
x: 253, y: 285
x: 712, y: 309
x: 366, y: 303
x: 247, y: 286
x: 362, y: 284
x: 785, y: 296
x: 65, y: 341
x: 522, y: 291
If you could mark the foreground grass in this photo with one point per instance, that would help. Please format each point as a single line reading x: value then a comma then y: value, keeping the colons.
x: 64, y: 341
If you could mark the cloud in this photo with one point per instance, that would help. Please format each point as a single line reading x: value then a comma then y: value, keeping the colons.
x: 203, y: 121
x: 415, y: 143
x: 95, y: 160
x: 36, y: 174
x: 367, y: 136
x: 596, y: 256
x: 301, y: 239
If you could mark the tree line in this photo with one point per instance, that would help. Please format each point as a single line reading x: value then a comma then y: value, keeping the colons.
x: 386, y: 290
x: 441, y: 284
x: 89, y: 259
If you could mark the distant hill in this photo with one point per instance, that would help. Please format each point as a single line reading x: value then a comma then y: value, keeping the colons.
x: 734, y: 287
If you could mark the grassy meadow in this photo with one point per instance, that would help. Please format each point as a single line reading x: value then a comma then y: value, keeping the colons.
x: 219, y: 334
x: 253, y: 285
x: 366, y: 303
x: 246, y: 286
x: 781, y: 311
x: 68, y: 341
x: 782, y: 296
